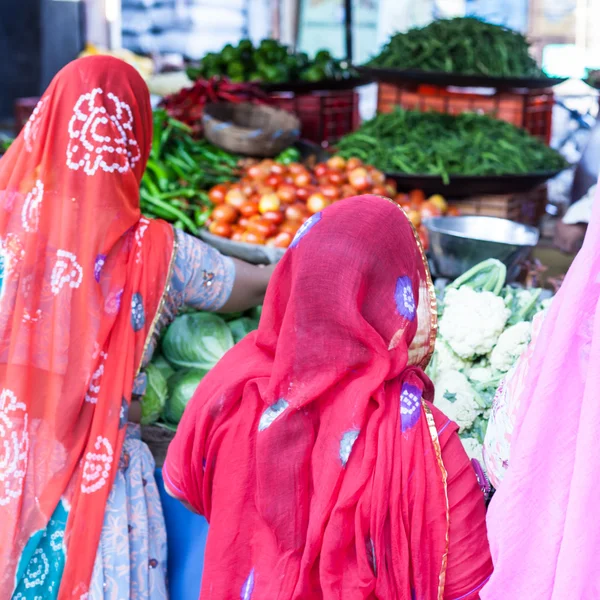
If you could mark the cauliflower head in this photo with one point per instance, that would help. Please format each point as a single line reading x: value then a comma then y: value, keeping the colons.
x: 472, y: 321
x: 446, y: 360
x: 473, y: 448
x: 511, y: 344
x: 457, y: 399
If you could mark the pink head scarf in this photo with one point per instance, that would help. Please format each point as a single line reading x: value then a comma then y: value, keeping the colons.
x: 544, y: 523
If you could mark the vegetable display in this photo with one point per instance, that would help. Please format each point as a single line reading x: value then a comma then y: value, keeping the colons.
x: 465, y: 45
x: 272, y: 200
x: 484, y: 326
x: 180, y: 169
x: 188, y: 104
x: 430, y: 143
x: 270, y: 62
x: 191, y: 346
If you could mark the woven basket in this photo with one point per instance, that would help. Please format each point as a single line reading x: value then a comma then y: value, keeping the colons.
x: 158, y: 439
x: 249, y: 129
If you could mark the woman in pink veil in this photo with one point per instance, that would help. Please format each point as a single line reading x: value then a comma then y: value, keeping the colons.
x: 544, y: 521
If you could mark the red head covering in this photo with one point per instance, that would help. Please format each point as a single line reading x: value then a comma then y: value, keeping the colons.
x: 309, y: 447
x: 83, y: 277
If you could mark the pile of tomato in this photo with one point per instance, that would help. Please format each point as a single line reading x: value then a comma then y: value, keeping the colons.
x: 271, y: 201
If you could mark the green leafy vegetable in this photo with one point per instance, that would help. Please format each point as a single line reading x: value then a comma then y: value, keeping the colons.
x: 155, y: 397
x: 431, y: 143
x: 162, y: 364
x: 197, y: 340
x: 487, y: 276
x: 462, y: 45
x: 181, y: 387
x: 240, y: 328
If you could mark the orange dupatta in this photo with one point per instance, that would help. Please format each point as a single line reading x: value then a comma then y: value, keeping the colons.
x: 84, y: 276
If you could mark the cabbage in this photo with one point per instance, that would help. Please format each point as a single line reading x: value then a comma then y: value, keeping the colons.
x: 182, y: 386
x: 154, y: 399
x: 162, y: 364
x: 196, y: 341
x: 240, y: 328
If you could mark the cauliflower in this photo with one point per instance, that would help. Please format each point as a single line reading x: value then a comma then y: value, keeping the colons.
x: 472, y: 321
x: 473, y: 449
x: 444, y: 360
x: 481, y: 374
x: 457, y: 399
x: 510, y: 346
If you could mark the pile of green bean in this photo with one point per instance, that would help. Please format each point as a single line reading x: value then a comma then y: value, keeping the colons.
x: 462, y: 45
x: 429, y: 143
x: 180, y: 171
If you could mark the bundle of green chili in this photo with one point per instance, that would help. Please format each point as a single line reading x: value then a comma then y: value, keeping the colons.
x: 462, y: 45
x: 429, y: 143
x: 180, y: 170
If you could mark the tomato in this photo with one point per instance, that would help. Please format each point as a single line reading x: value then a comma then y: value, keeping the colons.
x: 220, y: 229
x: 296, y: 212
x: 348, y: 191
x: 236, y: 236
x: 337, y: 177
x: 278, y: 169
x: 225, y: 213
x: 249, y: 208
x: 320, y: 170
x: 377, y: 176
x: 302, y: 179
x: 453, y: 211
x: 247, y: 187
x: 440, y: 202
x: 424, y: 235
x: 243, y: 222
x: 303, y: 193
x: 405, y: 206
x: 275, y: 217
x: 217, y: 194
x: 274, y: 181
x: 261, y: 226
x: 295, y: 168
x: 415, y: 217
x: 360, y: 179
x: 316, y: 203
x: 235, y: 197
x: 331, y: 192
x: 428, y: 209
x: 267, y: 164
x: 251, y: 237
x: 268, y: 203
x: 336, y: 163
x: 353, y: 163
x: 286, y: 193
x: 417, y: 197
x: 281, y: 240
x: 290, y: 227
x: 393, y: 187
x: 379, y: 190
x: 257, y: 172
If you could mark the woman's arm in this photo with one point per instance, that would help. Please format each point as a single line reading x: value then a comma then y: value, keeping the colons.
x: 249, y: 286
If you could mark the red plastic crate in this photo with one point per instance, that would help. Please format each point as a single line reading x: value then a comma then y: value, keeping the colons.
x: 531, y: 109
x: 325, y: 116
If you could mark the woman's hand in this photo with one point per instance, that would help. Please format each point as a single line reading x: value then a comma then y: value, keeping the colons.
x: 569, y: 238
x: 249, y: 287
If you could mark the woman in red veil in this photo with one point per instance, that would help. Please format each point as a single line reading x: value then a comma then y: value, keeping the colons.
x: 87, y: 284
x: 313, y: 448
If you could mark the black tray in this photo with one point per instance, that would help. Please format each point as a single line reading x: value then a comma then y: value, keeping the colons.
x: 305, y: 87
x: 462, y: 186
x: 398, y: 76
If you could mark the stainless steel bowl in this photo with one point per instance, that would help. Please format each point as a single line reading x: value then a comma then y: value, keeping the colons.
x: 458, y: 243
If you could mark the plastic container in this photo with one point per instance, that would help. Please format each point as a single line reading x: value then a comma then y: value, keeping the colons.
x: 186, y: 541
x: 325, y: 116
x: 528, y: 109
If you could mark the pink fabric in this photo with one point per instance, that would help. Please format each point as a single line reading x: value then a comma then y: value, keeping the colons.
x: 544, y: 522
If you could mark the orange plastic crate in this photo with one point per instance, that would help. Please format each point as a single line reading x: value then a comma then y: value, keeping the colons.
x: 531, y: 109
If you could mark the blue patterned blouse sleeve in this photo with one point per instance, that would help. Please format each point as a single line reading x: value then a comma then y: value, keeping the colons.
x: 202, y: 277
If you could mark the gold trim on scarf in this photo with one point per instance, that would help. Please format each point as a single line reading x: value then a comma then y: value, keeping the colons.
x: 438, y: 454
x: 433, y: 314
x: 161, y: 304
